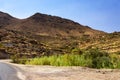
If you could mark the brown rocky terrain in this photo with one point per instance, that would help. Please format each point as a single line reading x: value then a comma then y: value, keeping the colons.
x: 42, y: 34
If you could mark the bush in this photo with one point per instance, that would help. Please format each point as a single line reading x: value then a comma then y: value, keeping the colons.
x: 115, y: 60
x: 14, y: 58
x: 76, y: 51
x: 94, y: 53
x: 17, y: 59
x: 101, y: 62
x: 99, y: 59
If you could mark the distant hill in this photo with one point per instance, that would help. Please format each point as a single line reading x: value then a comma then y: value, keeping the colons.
x: 46, y: 25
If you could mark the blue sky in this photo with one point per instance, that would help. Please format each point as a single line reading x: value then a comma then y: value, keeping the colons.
x: 99, y: 14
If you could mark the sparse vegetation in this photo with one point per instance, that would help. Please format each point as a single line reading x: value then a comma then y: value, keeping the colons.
x: 93, y: 58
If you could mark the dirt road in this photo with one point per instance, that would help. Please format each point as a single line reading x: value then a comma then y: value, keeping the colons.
x: 68, y: 73
x: 31, y: 72
x: 7, y: 72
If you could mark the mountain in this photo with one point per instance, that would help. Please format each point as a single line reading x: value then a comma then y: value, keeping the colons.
x: 46, y: 25
x: 42, y: 34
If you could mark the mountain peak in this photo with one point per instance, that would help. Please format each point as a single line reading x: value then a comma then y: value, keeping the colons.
x: 38, y: 15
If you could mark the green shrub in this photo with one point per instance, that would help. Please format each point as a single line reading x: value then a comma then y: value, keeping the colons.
x: 101, y: 62
x: 99, y: 59
x: 14, y: 58
x: 115, y: 60
x: 17, y: 59
x: 76, y: 51
x: 94, y: 53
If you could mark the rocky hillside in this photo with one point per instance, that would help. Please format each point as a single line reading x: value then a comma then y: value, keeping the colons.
x: 109, y: 43
x: 42, y: 34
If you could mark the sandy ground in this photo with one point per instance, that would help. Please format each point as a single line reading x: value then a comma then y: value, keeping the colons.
x: 30, y: 72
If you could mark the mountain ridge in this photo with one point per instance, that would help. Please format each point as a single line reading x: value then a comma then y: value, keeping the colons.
x: 43, y: 24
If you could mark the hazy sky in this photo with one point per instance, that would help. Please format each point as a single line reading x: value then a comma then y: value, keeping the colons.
x: 98, y: 14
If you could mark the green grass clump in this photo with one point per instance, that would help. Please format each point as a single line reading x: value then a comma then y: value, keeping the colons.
x: 39, y: 61
x: 59, y: 60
